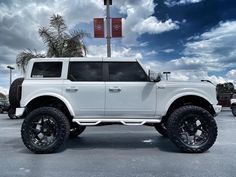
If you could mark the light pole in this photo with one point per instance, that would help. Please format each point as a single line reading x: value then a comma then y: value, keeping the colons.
x: 108, y: 18
x: 11, y: 68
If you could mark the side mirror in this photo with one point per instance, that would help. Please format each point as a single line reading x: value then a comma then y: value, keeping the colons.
x: 154, y: 77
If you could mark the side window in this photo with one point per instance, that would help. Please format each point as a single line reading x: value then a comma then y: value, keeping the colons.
x: 126, y: 71
x: 46, y: 69
x: 85, y: 71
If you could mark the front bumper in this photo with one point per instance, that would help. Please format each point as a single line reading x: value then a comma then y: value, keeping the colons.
x: 217, y: 108
x: 19, y: 111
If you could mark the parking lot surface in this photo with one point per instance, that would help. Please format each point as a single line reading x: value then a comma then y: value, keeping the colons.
x: 118, y: 151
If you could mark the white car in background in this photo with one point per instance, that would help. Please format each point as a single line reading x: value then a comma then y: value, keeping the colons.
x: 233, y: 104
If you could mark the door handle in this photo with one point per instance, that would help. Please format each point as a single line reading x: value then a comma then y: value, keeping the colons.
x: 114, y: 89
x: 71, y: 89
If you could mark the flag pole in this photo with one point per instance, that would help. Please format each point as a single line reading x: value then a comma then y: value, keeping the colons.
x: 108, y: 29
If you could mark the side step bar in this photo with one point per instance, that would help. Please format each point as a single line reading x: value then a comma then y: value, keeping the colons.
x: 92, y: 122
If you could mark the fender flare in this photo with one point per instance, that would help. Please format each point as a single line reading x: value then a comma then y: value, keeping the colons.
x: 178, y: 96
x: 63, y: 99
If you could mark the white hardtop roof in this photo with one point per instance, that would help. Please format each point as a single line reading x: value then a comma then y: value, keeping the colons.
x: 86, y: 59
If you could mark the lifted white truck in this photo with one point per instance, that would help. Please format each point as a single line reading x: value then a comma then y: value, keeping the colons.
x: 61, y: 96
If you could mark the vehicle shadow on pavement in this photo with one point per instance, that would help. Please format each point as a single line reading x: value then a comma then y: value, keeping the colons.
x: 121, y: 141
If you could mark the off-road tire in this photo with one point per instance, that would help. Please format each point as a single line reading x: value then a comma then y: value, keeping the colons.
x: 62, y: 130
x: 76, y: 130
x: 161, y: 128
x: 173, y: 128
x: 233, y: 108
x: 14, y: 92
x: 1, y: 110
x: 11, y: 113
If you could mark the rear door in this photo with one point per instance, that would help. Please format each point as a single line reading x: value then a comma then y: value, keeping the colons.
x: 129, y: 93
x: 85, y: 88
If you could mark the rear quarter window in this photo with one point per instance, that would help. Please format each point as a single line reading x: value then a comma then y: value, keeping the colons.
x: 46, y: 69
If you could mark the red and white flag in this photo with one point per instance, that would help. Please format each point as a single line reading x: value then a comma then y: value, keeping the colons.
x: 98, y: 27
x: 116, y: 27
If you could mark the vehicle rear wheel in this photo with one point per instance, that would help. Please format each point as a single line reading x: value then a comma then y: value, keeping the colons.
x: 1, y: 110
x: 76, y: 130
x: 161, y: 128
x: 192, y: 129
x: 234, y: 110
x: 45, y: 130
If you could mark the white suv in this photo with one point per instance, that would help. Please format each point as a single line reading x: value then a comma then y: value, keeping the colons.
x: 61, y: 96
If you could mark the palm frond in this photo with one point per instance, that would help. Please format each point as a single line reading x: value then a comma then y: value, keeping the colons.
x: 57, y: 24
x: 60, y: 43
x: 23, y: 58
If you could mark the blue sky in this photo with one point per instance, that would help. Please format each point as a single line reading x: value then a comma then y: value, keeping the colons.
x: 194, y: 39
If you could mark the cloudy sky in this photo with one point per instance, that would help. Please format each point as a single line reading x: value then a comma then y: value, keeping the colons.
x: 194, y: 39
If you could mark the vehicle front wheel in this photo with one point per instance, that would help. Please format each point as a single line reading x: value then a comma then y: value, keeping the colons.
x: 1, y: 110
x: 45, y: 130
x: 161, y: 128
x: 234, y: 110
x: 76, y: 130
x: 192, y: 129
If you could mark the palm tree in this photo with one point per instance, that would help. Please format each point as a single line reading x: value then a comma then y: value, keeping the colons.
x: 23, y: 58
x: 60, y: 43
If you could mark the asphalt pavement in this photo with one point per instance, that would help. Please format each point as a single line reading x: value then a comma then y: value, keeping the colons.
x: 118, y: 151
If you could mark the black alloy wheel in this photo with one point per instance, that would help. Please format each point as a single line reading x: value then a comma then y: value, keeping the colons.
x: 45, y: 130
x: 192, y: 129
x: 76, y: 130
x: 161, y: 128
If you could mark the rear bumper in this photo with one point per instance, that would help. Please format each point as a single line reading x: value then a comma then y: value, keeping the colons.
x: 19, y: 111
x: 217, y: 108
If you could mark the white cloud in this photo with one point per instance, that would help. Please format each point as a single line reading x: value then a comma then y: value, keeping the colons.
x: 153, y: 26
x: 121, y: 52
x: 172, y: 3
x: 81, y: 10
x: 139, y: 13
x: 214, y: 50
x: 168, y: 50
x: 144, y: 44
x: 185, y: 75
x: 20, y: 21
x: 231, y: 74
x: 196, y: 76
x: 153, y: 52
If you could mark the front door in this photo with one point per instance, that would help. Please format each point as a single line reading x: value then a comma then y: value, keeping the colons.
x: 129, y: 94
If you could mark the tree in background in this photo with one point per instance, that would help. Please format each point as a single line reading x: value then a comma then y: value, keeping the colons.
x: 23, y: 58
x: 60, y: 42
x: 227, y: 87
x: 224, y: 93
x: 2, y: 96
